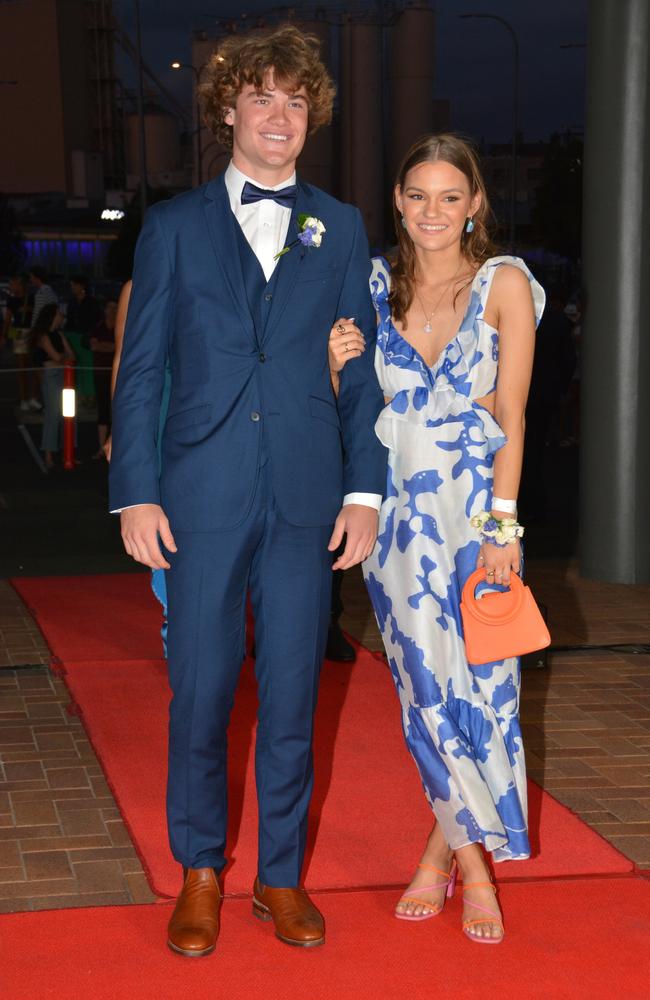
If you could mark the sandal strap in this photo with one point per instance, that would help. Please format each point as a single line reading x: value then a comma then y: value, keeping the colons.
x: 471, y: 923
x: 429, y: 888
x: 479, y: 885
x: 419, y: 902
x: 430, y: 868
x: 484, y: 909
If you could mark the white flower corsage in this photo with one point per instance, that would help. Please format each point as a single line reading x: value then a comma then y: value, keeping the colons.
x: 310, y: 235
x: 497, y: 531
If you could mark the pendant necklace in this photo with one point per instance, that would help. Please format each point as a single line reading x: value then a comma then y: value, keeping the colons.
x: 427, y: 319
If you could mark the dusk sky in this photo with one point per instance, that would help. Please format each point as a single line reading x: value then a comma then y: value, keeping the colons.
x: 473, y: 57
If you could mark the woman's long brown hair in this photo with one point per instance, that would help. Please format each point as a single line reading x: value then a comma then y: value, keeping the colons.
x: 476, y: 246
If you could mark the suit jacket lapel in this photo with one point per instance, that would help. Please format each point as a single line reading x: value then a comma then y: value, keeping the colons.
x: 223, y: 236
x: 288, y: 267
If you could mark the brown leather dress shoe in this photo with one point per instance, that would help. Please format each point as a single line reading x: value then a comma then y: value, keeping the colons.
x: 296, y: 919
x: 194, y: 926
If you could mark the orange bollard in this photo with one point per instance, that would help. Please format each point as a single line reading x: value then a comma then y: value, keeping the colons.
x: 68, y: 408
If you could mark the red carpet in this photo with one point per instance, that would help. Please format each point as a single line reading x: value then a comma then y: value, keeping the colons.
x: 577, y: 919
x: 95, y: 617
x: 575, y: 939
x: 369, y: 818
x: 368, y: 811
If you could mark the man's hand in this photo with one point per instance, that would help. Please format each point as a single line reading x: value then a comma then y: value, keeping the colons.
x: 141, y: 526
x: 359, y: 523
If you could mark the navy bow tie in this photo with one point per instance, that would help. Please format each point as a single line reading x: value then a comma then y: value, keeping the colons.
x: 285, y: 196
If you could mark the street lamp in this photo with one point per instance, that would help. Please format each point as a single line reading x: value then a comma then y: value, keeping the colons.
x: 197, y: 76
x: 515, y: 101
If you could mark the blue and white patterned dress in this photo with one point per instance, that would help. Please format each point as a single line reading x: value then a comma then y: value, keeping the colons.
x: 460, y: 721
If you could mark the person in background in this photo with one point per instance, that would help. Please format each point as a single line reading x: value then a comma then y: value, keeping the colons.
x: 102, y: 343
x: 44, y: 295
x: 570, y: 416
x: 553, y: 368
x: 16, y: 327
x: 158, y: 584
x: 50, y: 351
x: 83, y: 315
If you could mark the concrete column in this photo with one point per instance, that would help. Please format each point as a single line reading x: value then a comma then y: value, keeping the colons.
x: 315, y: 163
x: 615, y: 424
x: 361, y: 146
x: 411, y: 69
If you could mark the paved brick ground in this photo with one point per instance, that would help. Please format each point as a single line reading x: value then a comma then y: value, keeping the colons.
x: 586, y: 723
x: 20, y: 639
x: 62, y: 839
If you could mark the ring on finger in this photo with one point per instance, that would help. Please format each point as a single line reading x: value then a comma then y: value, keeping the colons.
x: 340, y: 327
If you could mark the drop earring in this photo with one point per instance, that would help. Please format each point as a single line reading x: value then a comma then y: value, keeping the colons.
x: 403, y: 223
x: 469, y: 225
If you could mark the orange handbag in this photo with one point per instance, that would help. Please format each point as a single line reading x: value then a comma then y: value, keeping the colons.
x: 501, y: 624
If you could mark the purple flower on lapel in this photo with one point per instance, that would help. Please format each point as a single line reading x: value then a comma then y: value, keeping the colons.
x: 310, y: 235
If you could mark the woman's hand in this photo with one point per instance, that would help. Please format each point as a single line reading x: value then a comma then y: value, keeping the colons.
x: 499, y: 561
x: 346, y: 341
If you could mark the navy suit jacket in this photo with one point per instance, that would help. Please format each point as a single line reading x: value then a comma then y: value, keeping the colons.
x: 232, y: 382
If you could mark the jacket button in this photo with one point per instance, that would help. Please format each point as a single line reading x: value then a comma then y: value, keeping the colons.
x: 262, y: 357
x: 255, y: 416
x: 268, y: 296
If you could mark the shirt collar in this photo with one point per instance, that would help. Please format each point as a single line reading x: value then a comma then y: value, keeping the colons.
x: 235, y: 180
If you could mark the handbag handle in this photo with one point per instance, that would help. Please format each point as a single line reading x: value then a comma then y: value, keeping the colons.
x: 501, y: 608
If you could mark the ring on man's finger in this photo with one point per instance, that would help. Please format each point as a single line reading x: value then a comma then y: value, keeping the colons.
x: 340, y: 327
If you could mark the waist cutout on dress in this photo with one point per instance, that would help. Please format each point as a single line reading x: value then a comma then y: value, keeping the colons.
x: 427, y: 409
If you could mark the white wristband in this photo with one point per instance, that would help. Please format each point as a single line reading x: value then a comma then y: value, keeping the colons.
x: 507, y: 506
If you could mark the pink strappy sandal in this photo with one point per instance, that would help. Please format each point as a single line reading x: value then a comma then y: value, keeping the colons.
x: 432, y: 910
x: 496, y: 917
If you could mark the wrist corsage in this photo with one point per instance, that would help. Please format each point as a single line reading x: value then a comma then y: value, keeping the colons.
x: 310, y: 235
x: 497, y: 531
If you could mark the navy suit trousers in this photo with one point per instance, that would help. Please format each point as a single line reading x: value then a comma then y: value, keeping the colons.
x: 288, y: 572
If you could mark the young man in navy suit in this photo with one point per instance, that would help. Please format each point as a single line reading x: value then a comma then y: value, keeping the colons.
x: 263, y: 471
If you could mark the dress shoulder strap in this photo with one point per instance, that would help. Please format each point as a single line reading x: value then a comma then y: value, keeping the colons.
x: 380, y: 282
x: 485, y: 276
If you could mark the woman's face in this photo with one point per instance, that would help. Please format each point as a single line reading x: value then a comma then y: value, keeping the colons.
x: 435, y: 203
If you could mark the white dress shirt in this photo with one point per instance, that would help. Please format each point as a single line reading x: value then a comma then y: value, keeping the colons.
x: 265, y: 225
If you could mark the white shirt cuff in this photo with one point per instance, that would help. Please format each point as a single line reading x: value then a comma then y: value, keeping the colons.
x: 366, y: 499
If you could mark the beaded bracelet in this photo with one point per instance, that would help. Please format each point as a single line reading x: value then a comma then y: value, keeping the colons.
x: 496, y: 531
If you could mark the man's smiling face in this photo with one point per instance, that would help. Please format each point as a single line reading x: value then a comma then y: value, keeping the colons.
x: 269, y: 130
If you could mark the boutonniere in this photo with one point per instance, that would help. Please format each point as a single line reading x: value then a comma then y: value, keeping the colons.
x: 310, y: 234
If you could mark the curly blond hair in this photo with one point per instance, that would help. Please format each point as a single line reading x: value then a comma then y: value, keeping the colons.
x: 241, y: 60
